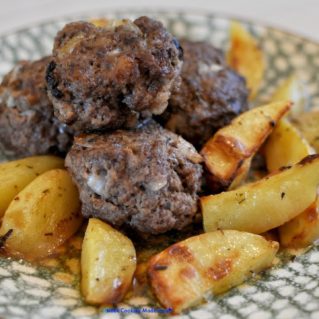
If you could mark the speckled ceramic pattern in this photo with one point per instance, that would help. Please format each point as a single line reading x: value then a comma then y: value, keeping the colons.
x: 289, y: 291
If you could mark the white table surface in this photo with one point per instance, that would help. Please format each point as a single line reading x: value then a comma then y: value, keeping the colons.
x: 300, y: 16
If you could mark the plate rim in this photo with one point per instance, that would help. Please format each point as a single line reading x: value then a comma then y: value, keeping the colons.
x: 177, y: 11
x: 99, y: 12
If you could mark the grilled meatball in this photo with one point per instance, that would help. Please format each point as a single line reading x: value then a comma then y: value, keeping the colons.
x: 209, y: 97
x: 27, y: 123
x: 147, y: 178
x: 109, y: 77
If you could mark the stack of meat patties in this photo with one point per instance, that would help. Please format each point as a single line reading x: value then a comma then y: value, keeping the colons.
x: 129, y: 105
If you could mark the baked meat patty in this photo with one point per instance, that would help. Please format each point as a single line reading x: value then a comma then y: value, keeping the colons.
x: 109, y: 77
x: 27, y: 122
x: 147, y: 178
x: 209, y: 96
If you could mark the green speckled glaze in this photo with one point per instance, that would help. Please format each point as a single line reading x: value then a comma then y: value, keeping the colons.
x: 289, y: 291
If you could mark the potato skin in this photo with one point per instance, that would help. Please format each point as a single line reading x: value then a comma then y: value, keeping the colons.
x: 183, y: 273
x: 15, y: 175
x: 108, y: 262
x: 265, y: 204
x: 42, y: 216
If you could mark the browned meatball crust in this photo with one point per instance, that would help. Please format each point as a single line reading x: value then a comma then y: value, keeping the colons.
x: 209, y: 97
x: 110, y: 77
x: 147, y: 179
x: 27, y: 123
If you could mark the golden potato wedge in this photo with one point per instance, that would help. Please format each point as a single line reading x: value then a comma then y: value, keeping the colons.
x: 108, y: 262
x: 268, y: 203
x: 302, y: 230
x: 225, y: 153
x: 100, y: 22
x: 241, y: 174
x: 246, y: 57
x: 307, y: 123
x: 293, y: 90
x: 214, y: 262
x: 42, y: 216
x: 15, y: 175
x: 285, y: 146
x: 108, y: 23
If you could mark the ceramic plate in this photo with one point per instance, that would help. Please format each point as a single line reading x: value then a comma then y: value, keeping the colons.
x: 287, y: 291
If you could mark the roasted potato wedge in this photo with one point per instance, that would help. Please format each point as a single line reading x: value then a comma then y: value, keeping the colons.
x: 293, y: 90
x: 307, y: 123
x: 42, y: 216
x: 108, y: 262
x: 246, y: 57
x: 225, y: 153
x: 303, y: 230
x: 15, y: 175
x: 285, y: 146
x: 214, y: 262
x: 100, y: 22
x: 268, y: 203
x: 241, y: 174
x: 108, y: 23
